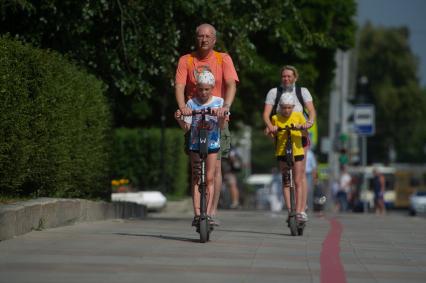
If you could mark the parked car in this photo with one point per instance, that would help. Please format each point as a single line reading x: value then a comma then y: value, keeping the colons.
x: 418, y: 203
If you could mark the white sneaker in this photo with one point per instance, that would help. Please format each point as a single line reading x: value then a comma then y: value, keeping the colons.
x: 302, y: 217
x: 234, y: 206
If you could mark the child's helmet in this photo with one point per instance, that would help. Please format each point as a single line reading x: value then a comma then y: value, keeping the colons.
x: 287, y: 98
x: 206, y: 77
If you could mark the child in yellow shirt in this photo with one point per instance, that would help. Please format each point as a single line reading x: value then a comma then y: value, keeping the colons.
x: 286, y: 117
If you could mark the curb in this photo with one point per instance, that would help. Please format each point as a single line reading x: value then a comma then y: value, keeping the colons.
x: 179, y: 206
x: 42, y: 213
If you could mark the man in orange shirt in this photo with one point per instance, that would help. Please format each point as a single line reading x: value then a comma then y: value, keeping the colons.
x: 222, y: 67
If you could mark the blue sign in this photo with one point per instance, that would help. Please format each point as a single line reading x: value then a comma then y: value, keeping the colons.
x: 364, y: 119
x: 364, y: 130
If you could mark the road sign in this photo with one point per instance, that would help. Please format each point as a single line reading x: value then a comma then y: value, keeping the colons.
x: 364, y: 119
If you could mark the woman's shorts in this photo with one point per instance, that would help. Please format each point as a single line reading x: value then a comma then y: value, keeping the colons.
x: 305, y: 141
x: 296, y: 157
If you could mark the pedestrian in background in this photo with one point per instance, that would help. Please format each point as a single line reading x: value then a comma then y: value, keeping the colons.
x: 344, y: 190
x: 231, y: 166
x: 334, y: 189
x: 311, y: 177
x: 379, y: 191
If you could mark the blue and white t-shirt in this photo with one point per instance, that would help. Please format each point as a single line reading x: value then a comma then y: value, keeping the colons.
x: 213, y: 125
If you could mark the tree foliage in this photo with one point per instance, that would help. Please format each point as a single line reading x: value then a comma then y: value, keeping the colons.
x: 386, y: 59
x: 54, y: 126
x: 135, y: 153
x: 134, y: 45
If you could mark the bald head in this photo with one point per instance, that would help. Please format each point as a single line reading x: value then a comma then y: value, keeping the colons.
x: 205, y: 39
x: 206, y: 27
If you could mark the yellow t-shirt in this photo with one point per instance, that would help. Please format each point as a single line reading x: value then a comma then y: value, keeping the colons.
x: 296, y: 118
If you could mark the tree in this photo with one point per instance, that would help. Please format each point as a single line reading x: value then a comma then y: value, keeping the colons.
x: 386, y: 59
x: 134, y: 45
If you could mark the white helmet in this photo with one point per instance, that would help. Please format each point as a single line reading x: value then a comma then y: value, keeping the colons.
x: 206, y: 77
x: 287, y: 98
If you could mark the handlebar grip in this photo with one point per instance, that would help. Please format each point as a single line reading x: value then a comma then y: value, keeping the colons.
x: 287, y: 127
x: 207, y: 111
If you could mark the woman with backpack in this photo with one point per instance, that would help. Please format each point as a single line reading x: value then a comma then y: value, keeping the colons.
x: 303, y: 103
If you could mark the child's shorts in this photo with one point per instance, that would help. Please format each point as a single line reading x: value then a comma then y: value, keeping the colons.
x: 296, y: 157
x: 216, y: 150
x: 225, y: 143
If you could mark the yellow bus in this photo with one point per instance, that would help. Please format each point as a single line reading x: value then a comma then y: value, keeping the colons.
x: 360, y: 173
x: 408, y: 179
x: 401, y: 181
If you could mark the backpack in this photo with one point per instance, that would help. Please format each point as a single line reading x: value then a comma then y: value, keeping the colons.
x: 299, y: 97
x: 218, y: 56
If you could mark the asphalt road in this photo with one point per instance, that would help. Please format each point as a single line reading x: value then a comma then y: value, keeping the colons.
x: 249, y: 246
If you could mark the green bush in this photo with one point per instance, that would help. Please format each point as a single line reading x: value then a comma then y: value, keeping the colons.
x: 54, y: 125
x: 137, y: 156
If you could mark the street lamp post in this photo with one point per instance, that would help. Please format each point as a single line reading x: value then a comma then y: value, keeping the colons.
x: 362, y: 98
x: 338, y: 111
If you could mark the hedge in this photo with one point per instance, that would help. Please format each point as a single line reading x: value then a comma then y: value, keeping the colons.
x: 54, y: 125
x: 137, y: 157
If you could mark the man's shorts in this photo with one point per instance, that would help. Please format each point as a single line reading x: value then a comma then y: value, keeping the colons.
x: 186, y: 142
x: 225, y: 142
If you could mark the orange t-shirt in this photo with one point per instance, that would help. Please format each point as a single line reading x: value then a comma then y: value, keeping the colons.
x: 220, y: 64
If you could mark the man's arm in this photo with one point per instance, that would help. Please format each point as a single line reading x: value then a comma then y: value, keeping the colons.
x: 180, y: 84
x: 180, y: 99
x: 231, y: 89
x: 180, y: 95
x: 230, y: 79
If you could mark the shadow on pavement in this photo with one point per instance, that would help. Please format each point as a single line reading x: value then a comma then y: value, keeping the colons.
x: 170, y: 219
x: 174, y: 238
x: 252, y: 232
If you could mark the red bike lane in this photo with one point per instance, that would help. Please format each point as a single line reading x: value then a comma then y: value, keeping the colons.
x: 332, y: 270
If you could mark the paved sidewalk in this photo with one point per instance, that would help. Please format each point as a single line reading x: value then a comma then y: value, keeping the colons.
x: 249, y: 246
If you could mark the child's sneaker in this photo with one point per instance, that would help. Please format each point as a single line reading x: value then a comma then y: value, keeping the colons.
x: 196, y: 221
x: 302, y: 217
x: 213, y: 221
